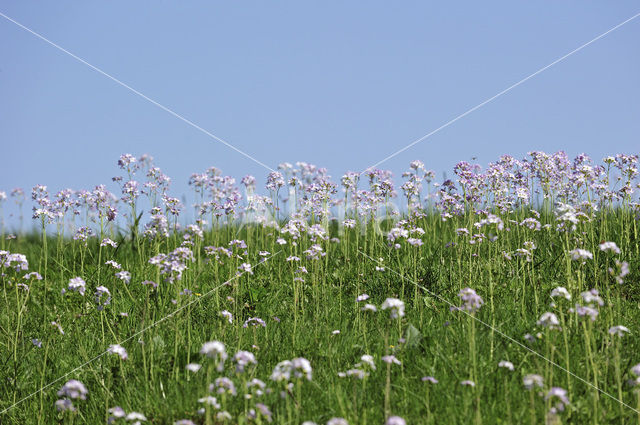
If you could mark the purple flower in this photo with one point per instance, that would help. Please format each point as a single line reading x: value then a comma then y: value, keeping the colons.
x: 73, y: 389
x: 77, y: 284
x: 471, y: 301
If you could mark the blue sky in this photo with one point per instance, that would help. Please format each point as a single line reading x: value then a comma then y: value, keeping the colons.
x: 341, y: 85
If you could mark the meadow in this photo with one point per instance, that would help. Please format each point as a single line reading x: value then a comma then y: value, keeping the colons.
x: 506, y: 295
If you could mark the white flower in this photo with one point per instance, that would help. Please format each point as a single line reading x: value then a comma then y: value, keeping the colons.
x: 227, y: 315
x: 506, y: 365
x: 211, y: 401
x: 395, y: 420
x: 215, y: 349
x: 362, y: 297
x: 395, y: 305
x: 618, y: 330
x: 193, y: 367
x: 243, y: 359
x: 561, y: 291
x: 136, y: 416
x: 369, y: 307
x: 391, y: 359
x: 580, y: 254
x: 548, y: 320
x: 610, y: 246
x: 532, y: 380
x: 301, y: 368
x: 77, y: 284
x: 368, y: 360
x: 119, y: 350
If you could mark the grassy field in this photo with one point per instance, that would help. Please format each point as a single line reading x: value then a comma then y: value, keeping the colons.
x: 491, y: 316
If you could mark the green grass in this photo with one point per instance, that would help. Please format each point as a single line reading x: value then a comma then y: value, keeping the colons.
x: 450, y: 346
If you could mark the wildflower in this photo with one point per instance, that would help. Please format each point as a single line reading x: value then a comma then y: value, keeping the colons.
x: 549, y: 320
x: 560, y: 291
x: 102, y: 291
x: 369, y: 307
x: 211, y: 401
x: 301, y: 368
x: 227, y: 315
x: 282, y: 371
x: 336, y: 332
x: 254, y: 321
x: 223, y: 416
x: 184, y: 422
x: 357, y: 373
x: 135, y: 416
x: 119, y: 350
x: 193, y: 367
x: 262, y: 411
x: 395, y: 420
x: 472, y: 301
x: 580, y: 254
x: 618, y: 330
x: 64, y: 404
x: 391, y: 359
x: 32, y: 275
x: 243, y: 359
x: 362, y: 297
x: 172, y: 265
x: 623, y: 268
x: 73, y: 389
x: 468, y: 383
x: 57, y: 325
x: 215, y: 350
x: 113, y: 264
x: 77, y: 284
x: 109, y: 242
x: 395, y: 305
x: 36, y: 342
x: 116, y: 412
x: 150, y: 283
x: 636, y: 370
x: 367, y: 359
x: 609, y: 246
x: 559, y: 393
x: 223, y: 385
x: 429, y: 379
x: 258, y: 385
x: 337, y: 421
x: 415, y: 242
x: 246, y: 268
x: 505, y: 364
x: 583, y: 311
x: 124, y: 276
x: 532, y: 380
x: 592, y: 296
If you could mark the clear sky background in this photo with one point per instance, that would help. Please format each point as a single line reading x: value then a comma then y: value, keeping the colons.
x: 337, y: 84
